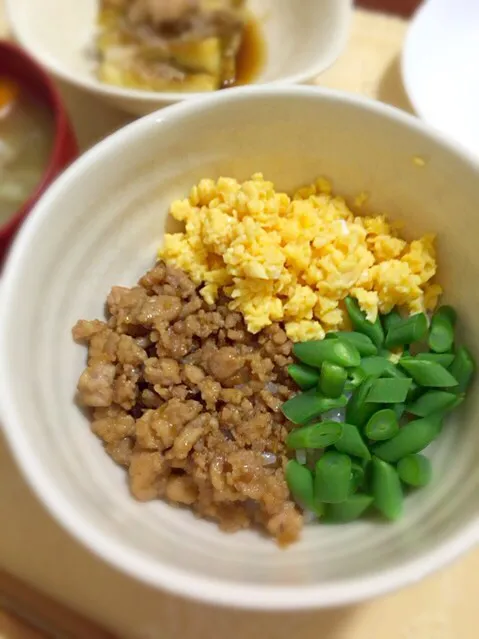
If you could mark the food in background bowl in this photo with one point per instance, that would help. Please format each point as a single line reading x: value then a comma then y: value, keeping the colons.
x: 192, y: 380
x: 27, y: 133
x: 299, y: 45
x: 177, y: 45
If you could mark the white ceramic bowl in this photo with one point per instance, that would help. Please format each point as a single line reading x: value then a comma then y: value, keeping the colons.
x: 300, y: 43
x: 439, y: 66
x: 101, y: 223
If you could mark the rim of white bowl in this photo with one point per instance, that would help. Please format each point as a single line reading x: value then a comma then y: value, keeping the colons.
x: 96, y: 86
x: 119, y: 555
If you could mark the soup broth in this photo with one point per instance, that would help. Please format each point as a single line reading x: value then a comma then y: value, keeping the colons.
x: 26, y: 142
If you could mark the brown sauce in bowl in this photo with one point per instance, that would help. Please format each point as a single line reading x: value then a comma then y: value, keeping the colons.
x: 251, y: 55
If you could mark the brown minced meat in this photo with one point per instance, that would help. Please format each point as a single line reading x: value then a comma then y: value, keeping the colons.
x: 189, y: 402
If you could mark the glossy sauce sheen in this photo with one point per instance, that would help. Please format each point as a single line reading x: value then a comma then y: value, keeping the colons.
x: 251, y: 55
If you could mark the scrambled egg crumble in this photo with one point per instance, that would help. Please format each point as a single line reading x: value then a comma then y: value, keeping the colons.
x: 294, y: 259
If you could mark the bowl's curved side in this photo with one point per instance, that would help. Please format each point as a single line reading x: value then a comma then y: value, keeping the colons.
x: 117, y: 197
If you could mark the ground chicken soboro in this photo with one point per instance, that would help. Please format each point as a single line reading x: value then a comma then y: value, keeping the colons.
x: 189, y: 402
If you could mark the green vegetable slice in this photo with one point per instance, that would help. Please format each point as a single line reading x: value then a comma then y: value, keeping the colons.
x: 300, y: 483
x: 441, y: 334
x: 305, y: 377
x: 398, y: 410
x: 336, y: 351
x: 357, y: 410
x: 332, y: 379
x: 304, y: 407
x: 411, y: 438
x: 386, y: 489
x: 362, y: 342
x: 358, y: 473
x: 415, y: 470
x: 352, y: 443
x: 358, y: 319
x: 426, y: 373
x: 374, y: 366
x: 318, y: 435
x: 444, y: 359
x: 463, y: 369
x: 391, y: 319
x: 382, y: 425
x: 332, y: 483
x: 431, y: 402
x: 349, y: 510
x: 407, y: 331
x: 388, y: 391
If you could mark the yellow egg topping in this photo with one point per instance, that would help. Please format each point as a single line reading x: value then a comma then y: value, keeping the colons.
x: 294, y: 259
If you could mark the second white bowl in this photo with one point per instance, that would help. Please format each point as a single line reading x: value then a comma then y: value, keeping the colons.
x: 439, y: 67
x: 300, y: 44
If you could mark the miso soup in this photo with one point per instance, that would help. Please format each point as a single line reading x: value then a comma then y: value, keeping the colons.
x: 26, y: 142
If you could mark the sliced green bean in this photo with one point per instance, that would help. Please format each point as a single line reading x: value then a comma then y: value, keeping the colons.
x: 449, y: 312
x: 445, y: 359
x: 409, y: 330
x: 374, y: 366
x: 373, y: 330
x: 358, y: 476
x: 304, y: 407
x: 348, y: 510
x: 431, y: 402
x: 304, y: 376
x: 332, y: 483
x: 352, y: 443
x: 332, y: 379
x: 300, y: 483
x: 415, y: 470
x: 386, y: 489
x: 382, y: 425
x: 392, y: 370
x: 441, y: 334
x: 391, y: 319
x: 414, y: 392
x: 336, y: 351
x: 318, y: 435
x: 411, y: 438
x: 357, y: 377
x: 463, y: 369
x: 398, y: 410
x: 357, y: 410
x: 388, y: 391
x: 362, y: 342
x: 426, y: 373
x: 352, y: 384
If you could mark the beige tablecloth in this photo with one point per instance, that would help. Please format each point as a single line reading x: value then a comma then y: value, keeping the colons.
x: 34, y: 548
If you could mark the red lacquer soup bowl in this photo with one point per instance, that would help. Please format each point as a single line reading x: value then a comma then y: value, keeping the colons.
x: 19, y: 67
